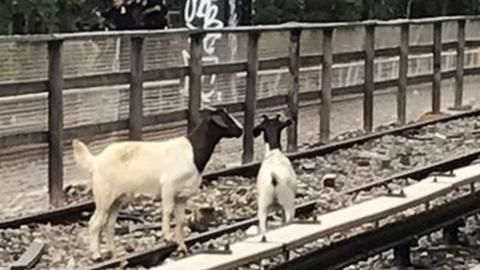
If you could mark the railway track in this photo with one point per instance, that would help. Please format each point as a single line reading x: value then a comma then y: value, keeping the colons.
x: 396, y: 234
x: 155, y: 255
x: 163, y: 251
x: 367, y: 244
x: 66, y: 213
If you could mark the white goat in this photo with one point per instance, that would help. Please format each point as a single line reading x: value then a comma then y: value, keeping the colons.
x: 276, y: 180
x: 170, y: 169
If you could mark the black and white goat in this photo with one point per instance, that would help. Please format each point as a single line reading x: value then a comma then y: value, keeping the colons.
x: 276, y: 180
x: 170, y: 170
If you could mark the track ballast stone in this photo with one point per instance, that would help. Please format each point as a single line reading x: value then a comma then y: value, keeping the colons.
x: 234, y: 198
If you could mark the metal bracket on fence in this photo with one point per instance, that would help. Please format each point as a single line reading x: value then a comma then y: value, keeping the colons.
x: 30, y: 257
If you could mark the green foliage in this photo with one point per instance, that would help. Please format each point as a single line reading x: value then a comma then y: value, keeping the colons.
x: 275, y: 11
x: 39, y: 16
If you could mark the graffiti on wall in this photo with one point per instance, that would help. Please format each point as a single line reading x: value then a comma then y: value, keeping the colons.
x: 204, y: 14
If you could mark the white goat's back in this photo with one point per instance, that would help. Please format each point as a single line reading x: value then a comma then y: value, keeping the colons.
x: 130, y: 168
x: 276, y: 167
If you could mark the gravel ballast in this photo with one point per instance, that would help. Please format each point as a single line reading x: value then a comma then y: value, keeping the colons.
x: 234, y: 198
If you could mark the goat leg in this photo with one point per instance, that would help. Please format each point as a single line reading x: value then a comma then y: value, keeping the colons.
x: 180, y: 220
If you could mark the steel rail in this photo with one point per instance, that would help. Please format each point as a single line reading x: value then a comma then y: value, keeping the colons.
x: 344, y: 219
x: 68, y: 213
x: 160, y: 253
x: 422, y: 172
x: 252, y: 168
x: 359, y: 247
x: 157, y: 254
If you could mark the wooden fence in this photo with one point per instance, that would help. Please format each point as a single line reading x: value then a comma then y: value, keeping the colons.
x: 56, y: 82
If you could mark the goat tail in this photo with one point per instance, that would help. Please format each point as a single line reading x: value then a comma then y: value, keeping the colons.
x: 82, y: 155
x: 275, y: 179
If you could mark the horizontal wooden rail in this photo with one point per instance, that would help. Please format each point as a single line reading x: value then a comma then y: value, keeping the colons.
x: 95, y: 129
x: 119, y: 78
x: 23, y: 88
x: 165, y: 74
x: 181, y: 115
x: 225, y: 30
x: 23, y: 139
x: 97, y: 80
x: 165, y: 118
x: 472, y: 43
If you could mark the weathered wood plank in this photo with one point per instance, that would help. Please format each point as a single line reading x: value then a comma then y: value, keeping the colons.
x: 195, y: 81
x: 22, y: 88
x: 369, y: 78
x: 420, y: 49
x: 250, y: 98
x: 460, y: 64
x: 274, y: 63
x: 225, y: 68
x: 98, y: 80
x: 103, y: 128
x: 403, y: 75
x: 437, y: 67
x: 23, y: 139
x: 292, y: 98
x: 135, y: 122
x: 30, y: 257
x: 472, y: 43
x: 55, y: 122
x: 165, y: 118
x: 236, y: 29
x: 241, y: 253
x: 165, y: 73
x: 326, y: 86
x: 88, y: 131
x: 118, y: 78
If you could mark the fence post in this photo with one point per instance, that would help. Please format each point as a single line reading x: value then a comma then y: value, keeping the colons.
x: 460, y: 65
x: 250, y: 98
x: 369, y: 78
x: 437, y: 67
x: 195, y: 80
x: 326, y: 86
x: 403, y: 74
x: 292, y: 98
x: 55, y: 122
x: 136, y: 88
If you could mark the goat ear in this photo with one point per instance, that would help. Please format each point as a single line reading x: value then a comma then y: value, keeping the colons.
x: 257, y: 131
x: 287, y: 123
x: 218, y: 119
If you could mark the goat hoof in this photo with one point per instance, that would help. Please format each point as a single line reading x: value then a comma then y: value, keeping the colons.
x: 264, y: 239
x: 96, y: 258
x: 169, y: 238
x: 109, y: 255
x: 182, y: 248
